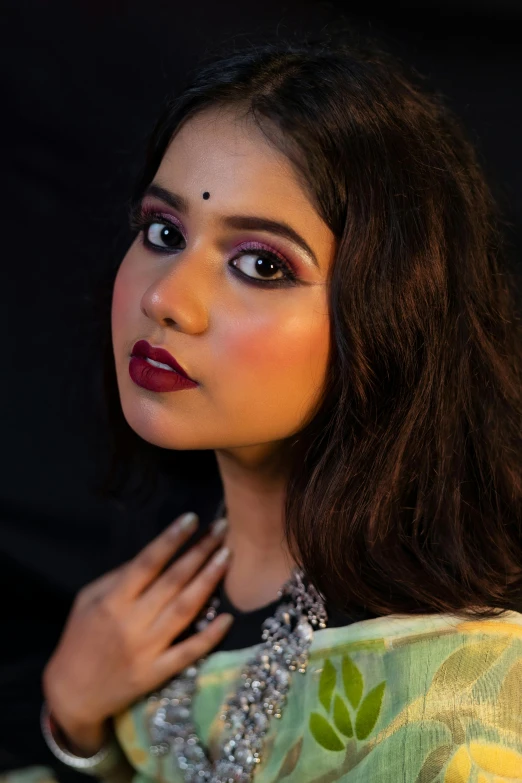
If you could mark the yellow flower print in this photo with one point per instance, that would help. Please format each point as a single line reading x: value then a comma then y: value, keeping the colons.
x: 459, y: 768
x: 496, y: 764
x: 497, y: 760
x: 482, y: 778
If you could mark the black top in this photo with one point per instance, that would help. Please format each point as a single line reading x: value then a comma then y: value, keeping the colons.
x: 245, y: 631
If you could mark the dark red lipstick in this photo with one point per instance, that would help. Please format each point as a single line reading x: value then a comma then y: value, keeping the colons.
x: 158, y: 379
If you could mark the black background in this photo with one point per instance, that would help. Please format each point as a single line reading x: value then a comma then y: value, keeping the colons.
x: 82, y: 84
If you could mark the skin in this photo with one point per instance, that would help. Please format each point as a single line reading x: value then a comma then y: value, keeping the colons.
x: 259, y: 354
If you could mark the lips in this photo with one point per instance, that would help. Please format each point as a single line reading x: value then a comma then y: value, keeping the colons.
x: 142, y: 349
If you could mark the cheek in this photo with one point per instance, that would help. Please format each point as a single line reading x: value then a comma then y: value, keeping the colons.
x: 293, y: 349
x: 123, y: 300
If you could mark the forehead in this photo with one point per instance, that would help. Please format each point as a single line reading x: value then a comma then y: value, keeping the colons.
x: 228, y: 155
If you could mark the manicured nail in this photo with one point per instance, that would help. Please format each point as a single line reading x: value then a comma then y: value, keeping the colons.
x: 187, y: 522
x: 219, y: 526
x: 224, y: 621
x: 221, y: 556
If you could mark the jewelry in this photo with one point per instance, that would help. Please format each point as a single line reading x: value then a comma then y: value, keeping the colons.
x: 55, y: 742
x: 261, y: 695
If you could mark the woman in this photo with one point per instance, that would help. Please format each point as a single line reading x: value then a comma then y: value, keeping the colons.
x: 317, y: 274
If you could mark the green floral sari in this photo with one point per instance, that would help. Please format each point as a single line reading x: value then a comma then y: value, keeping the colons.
x: 423, y: 699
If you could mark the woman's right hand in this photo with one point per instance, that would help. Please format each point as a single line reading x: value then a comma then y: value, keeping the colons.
x: 117, y: 643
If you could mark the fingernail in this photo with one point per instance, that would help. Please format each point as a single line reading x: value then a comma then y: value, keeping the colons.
x: 187, y: 522
x: 219, y: 526
x: 224, y: 621
x: 221, y: 556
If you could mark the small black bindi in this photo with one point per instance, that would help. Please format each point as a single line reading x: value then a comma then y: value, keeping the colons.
x: 206, y: 194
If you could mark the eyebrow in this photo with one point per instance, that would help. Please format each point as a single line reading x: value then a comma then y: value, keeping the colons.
x: 240, y: 222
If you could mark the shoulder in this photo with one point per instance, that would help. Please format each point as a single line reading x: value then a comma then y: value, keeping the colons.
x: 424, y: 695
x: 429, y: 657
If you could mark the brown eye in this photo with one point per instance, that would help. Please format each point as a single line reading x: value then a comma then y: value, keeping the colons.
x: 259, y: 265
x: 163, y: 235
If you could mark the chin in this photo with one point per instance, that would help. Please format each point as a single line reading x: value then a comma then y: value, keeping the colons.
x: 159, y: 429
x: 149, y: 424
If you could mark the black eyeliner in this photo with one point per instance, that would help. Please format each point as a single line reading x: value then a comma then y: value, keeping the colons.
x: 140, y: 220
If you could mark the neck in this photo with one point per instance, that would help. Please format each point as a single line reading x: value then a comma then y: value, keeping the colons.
x: 254, y: 484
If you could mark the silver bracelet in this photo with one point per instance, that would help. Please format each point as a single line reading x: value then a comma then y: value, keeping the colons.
x: 64, y: 755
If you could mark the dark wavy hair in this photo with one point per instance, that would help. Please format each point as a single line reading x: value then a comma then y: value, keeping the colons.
x: 405, y: 484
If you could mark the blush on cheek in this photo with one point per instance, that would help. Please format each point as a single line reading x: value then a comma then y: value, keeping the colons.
x: 252, y: 350
x: 275, y: 374
x: 277, y: 350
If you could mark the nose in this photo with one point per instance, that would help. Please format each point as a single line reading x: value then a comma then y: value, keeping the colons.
x: 176, y: 297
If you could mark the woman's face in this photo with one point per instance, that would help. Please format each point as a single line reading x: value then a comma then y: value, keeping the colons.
x: 258, y: 353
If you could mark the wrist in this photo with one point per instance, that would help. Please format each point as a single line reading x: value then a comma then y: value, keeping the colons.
x: 83, y: 740
x: 65, y: 711
x: 106, y: 756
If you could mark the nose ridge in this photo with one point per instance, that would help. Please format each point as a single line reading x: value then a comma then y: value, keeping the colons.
x: 170, y: 300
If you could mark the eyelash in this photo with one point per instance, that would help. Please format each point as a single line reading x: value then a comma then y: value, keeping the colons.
x: 141, y: 219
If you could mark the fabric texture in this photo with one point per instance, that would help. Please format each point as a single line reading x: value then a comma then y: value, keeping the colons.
x: 406, y: 699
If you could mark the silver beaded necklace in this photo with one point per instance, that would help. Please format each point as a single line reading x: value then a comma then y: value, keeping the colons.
x: 260, y: 696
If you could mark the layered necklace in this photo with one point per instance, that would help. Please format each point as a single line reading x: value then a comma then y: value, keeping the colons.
x: 260, y: 696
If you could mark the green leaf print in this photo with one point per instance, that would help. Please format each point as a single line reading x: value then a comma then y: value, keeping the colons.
x: 327, y: 684
x: 369, y: 711
x: 323, y: 733
x: 341, y: 717
x: 352, y: 680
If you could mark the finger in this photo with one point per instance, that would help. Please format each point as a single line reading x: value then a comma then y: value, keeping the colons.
x: 177, y: 657
x: 145, y: 567
x: 98, y: 587
x: 183, y: 609
x: 170, y: 583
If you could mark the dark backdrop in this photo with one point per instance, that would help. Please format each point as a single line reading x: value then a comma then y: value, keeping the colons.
x: 81, y: 86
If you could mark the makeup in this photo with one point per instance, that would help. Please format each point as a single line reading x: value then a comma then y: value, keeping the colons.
x: 145, y: 372
x: 142, y: 218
